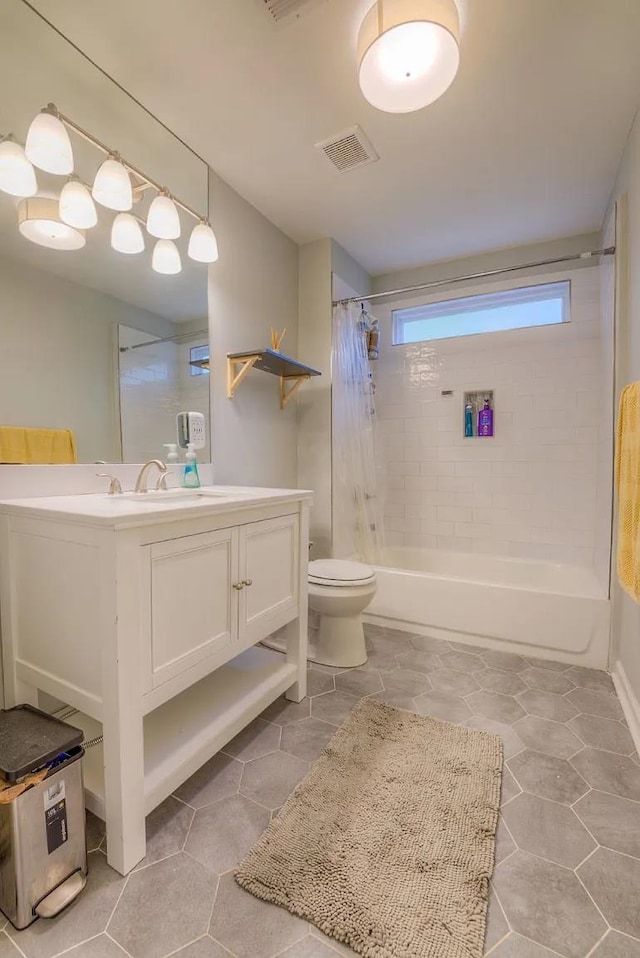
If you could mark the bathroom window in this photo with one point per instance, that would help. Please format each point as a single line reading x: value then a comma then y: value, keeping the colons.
x: 197, y: 356
x: 543, y: 305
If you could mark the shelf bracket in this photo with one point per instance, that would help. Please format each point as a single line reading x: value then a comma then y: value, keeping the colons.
x: 287, y: 394
x: 235, y: 378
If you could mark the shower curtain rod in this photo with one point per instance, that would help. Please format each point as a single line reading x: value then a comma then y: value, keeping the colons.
x: 607, y: 251
x: 166, y: 339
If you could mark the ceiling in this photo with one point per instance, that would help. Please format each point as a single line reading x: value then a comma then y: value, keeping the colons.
x: 523, y: 147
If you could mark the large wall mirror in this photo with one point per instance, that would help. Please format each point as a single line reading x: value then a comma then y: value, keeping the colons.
x: 92, y: 340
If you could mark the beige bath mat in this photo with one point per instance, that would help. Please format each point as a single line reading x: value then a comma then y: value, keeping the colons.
x: 388, y: 843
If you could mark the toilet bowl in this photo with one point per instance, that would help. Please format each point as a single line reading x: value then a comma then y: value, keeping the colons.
x: 339, y: 592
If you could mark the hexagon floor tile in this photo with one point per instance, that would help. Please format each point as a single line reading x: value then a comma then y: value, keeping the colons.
x: 568, y: 835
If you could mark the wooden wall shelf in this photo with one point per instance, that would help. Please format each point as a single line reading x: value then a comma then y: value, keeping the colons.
x: 290, y: 372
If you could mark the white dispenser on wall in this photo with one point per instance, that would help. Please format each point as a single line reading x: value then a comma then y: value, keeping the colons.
x: 190, y: 428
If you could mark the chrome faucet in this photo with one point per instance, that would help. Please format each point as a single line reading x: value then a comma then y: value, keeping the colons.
x: 141, y: 481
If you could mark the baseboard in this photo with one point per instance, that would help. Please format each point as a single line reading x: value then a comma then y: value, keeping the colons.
x: 628, y: 701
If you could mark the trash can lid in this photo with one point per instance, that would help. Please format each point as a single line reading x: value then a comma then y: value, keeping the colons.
x: 29, y: 738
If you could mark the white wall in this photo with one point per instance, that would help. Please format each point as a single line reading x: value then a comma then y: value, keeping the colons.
x: 58, y: 355
x: 324, y: 267
x: 252, y: 287
x: 314, y: 398
x: 530, y: 491
x: 626, y: 612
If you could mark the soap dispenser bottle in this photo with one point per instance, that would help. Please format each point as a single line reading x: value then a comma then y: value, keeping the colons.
x: 191, y: 479
x: 485, y: 419
x: 171, y: 459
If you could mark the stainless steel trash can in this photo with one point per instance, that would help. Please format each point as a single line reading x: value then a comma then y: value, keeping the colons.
x: 43, y: 851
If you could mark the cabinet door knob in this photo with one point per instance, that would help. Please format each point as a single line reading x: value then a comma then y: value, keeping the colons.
x: 238, y: 585
x: 247, y: 581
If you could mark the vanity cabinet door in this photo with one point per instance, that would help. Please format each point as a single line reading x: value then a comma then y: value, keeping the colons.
x: 269, y: 558
x: 194, y: 609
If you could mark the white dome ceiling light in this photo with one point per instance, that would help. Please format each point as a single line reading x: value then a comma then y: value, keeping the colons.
x: 39, y: 222
x: 112, y: 185
x: 203, y: 246
x: 408, y: 53
x: 166, y: 258
x: 163, y: 220
x: 17, y: 176
x: 126, y: 234
x: 76, y: 206
x: 48, y: 145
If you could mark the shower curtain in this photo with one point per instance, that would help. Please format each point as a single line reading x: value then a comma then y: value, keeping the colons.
x: 357, y: 498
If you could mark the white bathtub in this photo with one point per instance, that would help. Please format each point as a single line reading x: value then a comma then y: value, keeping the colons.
x: 534, y: 608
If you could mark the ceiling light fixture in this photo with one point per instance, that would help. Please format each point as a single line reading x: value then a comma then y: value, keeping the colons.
x: 162, y: 219
x: 126, y: 234
x: 408, y: 53
x: 166, y: 257
x: 76, y: 205
x: 48, y: 145
x: 17, y: 176
x: 203, y: 245
x: 112, y: 185
x: 39, y: 221
x: 117, y: 182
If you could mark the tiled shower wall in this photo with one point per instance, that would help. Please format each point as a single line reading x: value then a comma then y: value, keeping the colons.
x: 156, y: 384
x: 529, y: 492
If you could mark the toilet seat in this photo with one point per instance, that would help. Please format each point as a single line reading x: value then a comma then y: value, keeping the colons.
x: 340, y: 572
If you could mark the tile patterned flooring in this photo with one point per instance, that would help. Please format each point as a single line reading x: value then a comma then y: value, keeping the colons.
x: 567, y: 880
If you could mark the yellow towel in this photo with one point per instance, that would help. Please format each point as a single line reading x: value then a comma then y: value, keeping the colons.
x: 19, y: 444
x: 628, y: 485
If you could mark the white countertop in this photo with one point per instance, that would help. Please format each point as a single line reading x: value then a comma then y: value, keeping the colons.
x: 134, y: 509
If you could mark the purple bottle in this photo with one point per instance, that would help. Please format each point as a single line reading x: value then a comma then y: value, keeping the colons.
x: 485, y: 419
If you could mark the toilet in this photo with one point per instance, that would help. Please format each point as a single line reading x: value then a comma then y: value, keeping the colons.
x: 339, y: 592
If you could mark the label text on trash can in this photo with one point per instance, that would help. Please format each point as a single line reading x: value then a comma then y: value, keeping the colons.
x: 55, y: 816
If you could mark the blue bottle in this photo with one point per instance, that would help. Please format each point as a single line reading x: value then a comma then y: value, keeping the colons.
x: 191, y: 479
x: 468, y: 419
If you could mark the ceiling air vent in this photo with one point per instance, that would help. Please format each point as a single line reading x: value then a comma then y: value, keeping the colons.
x: 285, y: 10
x: 348, y: 150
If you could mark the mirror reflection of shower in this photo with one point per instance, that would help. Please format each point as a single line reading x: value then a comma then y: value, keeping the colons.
x: 358, y: 512
x: 158, y: 378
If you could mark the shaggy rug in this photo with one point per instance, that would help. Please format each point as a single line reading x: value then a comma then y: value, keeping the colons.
x: 388, y: 844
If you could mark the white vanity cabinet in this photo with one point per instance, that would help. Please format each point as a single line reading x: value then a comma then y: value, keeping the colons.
x: 146, y: 618
x: 215, y: 593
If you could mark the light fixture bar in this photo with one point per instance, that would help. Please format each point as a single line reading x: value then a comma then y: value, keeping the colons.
x: 146, y: 182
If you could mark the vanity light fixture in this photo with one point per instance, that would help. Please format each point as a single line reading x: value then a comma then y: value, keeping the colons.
x: 203, y: 245
x: 112, y: 185
x: 163, y: 221
x: 126, y: 234
x: 39, y: 221
x: 48, y: 145
x: 17, y: 176
x: 408, y: 53
x: 116, y: 184
x: 76, y: 205
x: 166, y: 257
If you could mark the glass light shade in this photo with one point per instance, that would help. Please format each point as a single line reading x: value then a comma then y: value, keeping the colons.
x: 48, y: 145
x: 203, y: 246
x: 126, y: 234
x: 112, y: 186
x: 163, y: 220
x: 39, y: 221
x: 17, y: 176
x: 166, y: 257
x: 76, y: 206
x: 408, y: 53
